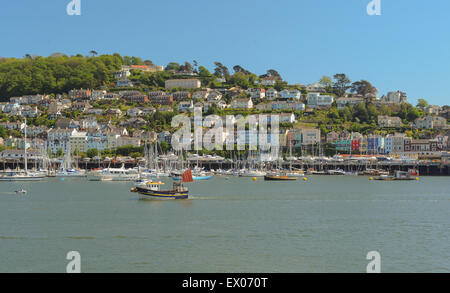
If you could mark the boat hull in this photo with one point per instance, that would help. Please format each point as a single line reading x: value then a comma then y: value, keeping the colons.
x: 279, y: 178
x: 12, y: 179
x: 158, y: 194
x: 195, y: 177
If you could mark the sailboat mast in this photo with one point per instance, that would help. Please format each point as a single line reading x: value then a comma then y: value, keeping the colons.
x: 25, y: 147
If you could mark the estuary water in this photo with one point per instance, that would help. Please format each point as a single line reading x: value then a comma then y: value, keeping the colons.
x: 324, y: 224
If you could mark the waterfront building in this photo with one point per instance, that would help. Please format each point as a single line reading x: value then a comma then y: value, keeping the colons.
x: 395, y: 143
x: 310, y: 136
x: 20, y: 154
x: 375, y: 144
x: 78, y: 141
x: 332, y: 137
x: 58, y: 138
x: 96, y: 140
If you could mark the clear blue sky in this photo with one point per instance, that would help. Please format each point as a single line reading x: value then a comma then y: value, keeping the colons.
x: 406, y: 48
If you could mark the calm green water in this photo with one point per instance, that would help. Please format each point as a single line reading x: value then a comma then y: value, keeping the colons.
x: 327, y: 224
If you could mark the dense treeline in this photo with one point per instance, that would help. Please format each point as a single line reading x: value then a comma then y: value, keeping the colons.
x: 55, y: 74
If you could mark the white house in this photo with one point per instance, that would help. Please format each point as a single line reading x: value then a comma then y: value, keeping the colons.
x: 134, y: 112
x: 287, y: 118
x: 214, y: 96
x: 341, y: 103
x: 317, y: 100
x: 257, y: 93
x: 271, y: 94
x: 290, y: 94
x: 186, y: 106
x: 268, y: 80
x: 241, y: 104
x: 124, y: 83
x: 431, y: 122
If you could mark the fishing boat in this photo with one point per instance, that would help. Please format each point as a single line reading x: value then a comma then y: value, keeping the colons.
x: 398, y: 175
x: 279, y: 177
x: 152, y: 190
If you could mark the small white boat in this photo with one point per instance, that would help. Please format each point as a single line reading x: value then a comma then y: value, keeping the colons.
x: 21, y: 191
x: 21, y: 176
x: 71, y: 173
x: 252, y: 173
x: 114, y: 174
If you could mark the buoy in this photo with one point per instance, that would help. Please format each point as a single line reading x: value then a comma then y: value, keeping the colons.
x: 255, y: 179
x: 371, y: 178
x: 62, y: 179
x: 417, y: 178
x: 305, y: 179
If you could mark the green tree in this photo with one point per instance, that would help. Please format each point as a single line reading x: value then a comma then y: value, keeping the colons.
x: 422, y: 103
x: 165, y: 147
x: 173, y: 66
x: 91, y: 153
x: 341, y: 84
x: 363, y: 88
x: 3, y: 133
x: 361, y: 112
x: 327, y: 82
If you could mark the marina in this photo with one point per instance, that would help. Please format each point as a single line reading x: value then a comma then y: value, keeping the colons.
x: 228, y: 224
